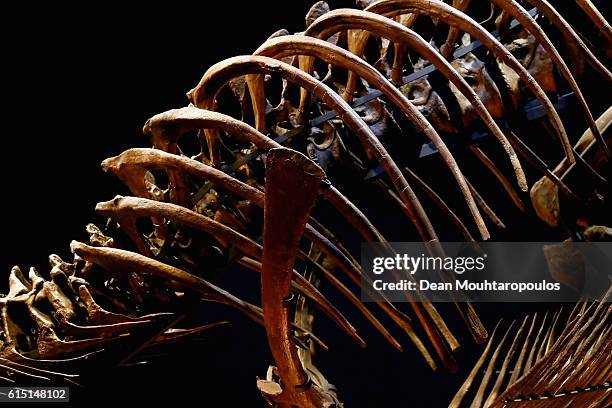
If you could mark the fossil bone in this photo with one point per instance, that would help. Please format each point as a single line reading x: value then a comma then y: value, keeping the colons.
x: 295, y: 44
x: 544, y: 192
x: 293, y: 183
x: 219, y: 74
x: 353, y: 19
x: 449, y: 15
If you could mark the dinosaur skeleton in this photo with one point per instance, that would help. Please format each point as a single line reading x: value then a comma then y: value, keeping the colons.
x: 247, y: 196
x: 568, y: 368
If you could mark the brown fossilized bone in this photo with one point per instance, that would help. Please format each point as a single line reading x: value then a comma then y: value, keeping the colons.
x: 554, y: 364
x: 597, y: 18
x: 572, y: 39
x: 293, y: 184
x: 545, y: 194
x: 218, y: 75
x: 350, y: 19
x: 353, y: 19
x: 126, y: 210
x: 221, y: 73
x: 437, y: 9
x: 287, y: 45
x: 190, y: 118
x: 131, y: 165
x: 250, y: 198
x: 521, y: 15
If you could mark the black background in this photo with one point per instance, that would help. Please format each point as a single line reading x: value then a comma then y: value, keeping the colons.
x: 78, y: 84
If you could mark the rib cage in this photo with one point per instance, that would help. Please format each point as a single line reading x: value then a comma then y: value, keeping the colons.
x: 191, y: 221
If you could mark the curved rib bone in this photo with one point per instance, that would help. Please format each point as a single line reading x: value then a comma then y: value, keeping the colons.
x: 219, y: 74
x: 167, y: 127
x: 131, y: 165
x: 128, y: 209
x: 505, y: 183
x: 301, y: 45
x: 529, y: 24
x: 329, y: 250
x: 444, y: 12
x: 189, y: 118
x: 440, y: 203
x: 343, y: 19
x: 570, y: 35
x: 119, y: 260
x: 596, y: 17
